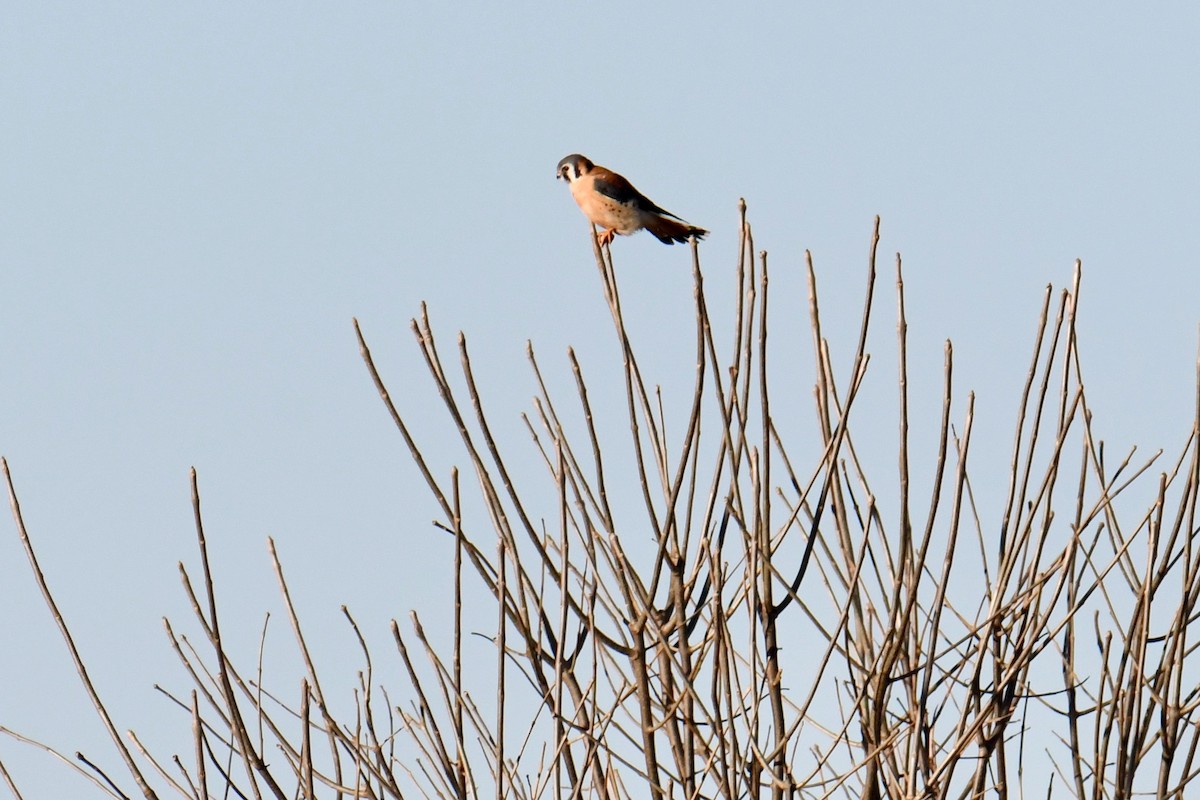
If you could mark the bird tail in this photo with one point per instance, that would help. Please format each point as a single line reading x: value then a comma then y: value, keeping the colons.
x: 669, y: 231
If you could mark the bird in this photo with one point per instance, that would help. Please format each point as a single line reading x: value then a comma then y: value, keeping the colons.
x: 610, y: 201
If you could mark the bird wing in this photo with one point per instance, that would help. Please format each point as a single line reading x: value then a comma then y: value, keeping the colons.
x: 616, y: 187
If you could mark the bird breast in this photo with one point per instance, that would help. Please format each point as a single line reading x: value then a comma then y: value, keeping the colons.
x: 603, y: 210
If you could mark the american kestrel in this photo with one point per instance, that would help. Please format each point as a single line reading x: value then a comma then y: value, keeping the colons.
x: 611, y: 202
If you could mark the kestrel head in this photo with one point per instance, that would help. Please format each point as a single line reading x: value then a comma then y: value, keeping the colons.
x: 573, y: 167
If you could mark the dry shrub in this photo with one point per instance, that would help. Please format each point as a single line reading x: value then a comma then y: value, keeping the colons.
x: 781, y: 634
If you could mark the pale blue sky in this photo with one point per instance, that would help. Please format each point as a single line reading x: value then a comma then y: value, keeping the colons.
x: 195, y: 199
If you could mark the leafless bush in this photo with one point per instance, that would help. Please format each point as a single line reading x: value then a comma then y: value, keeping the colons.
x: 782, y: 635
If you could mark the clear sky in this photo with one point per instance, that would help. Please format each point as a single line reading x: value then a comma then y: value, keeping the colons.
x: 195, y: 200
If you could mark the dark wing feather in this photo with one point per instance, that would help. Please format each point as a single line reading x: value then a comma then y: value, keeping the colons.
x: 610, y: 184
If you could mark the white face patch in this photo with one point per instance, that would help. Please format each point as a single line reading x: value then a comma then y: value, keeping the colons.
x: 573, y: 167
